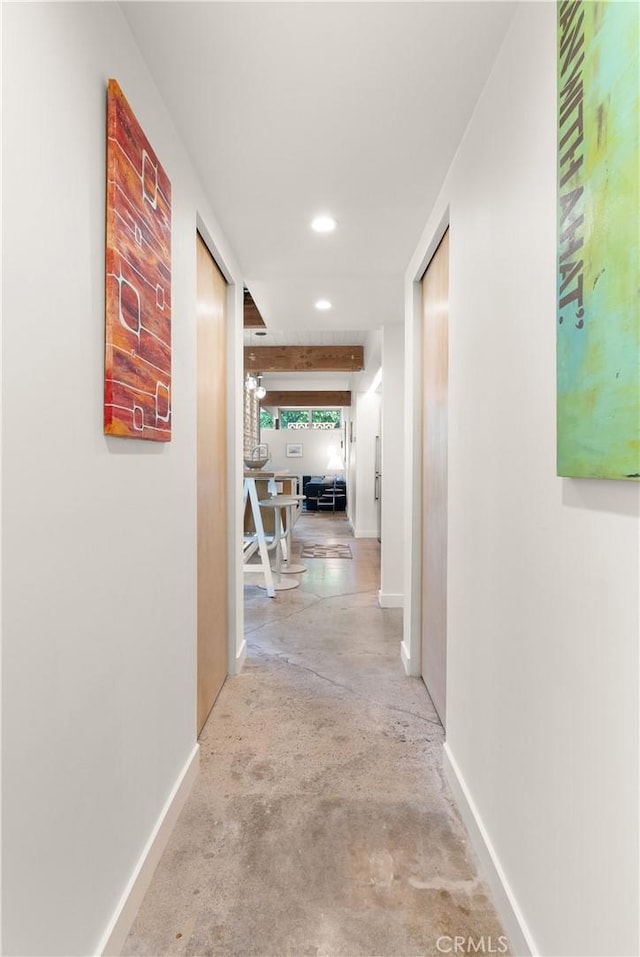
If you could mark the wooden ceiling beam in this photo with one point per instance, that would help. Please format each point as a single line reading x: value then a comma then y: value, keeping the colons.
x: 304, y: 358
x: 251, y: 317
x: 306, y: 400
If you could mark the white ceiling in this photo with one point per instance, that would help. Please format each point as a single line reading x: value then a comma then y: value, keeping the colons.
x: 292, y: 109
x: 300, y: 337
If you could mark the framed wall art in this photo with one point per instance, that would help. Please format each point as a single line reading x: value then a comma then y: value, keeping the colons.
x: 137, y: 388
x: 598, y: 314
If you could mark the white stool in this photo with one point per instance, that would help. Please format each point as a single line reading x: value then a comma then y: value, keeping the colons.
x: 277, y: 503
x: 289, y: 567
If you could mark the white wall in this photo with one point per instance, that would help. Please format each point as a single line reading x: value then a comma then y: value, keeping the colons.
x: 542, y: 683
x: 351, y: 462
x: 99, y: 534
x: 365, y: 518
x: 365, y: 412
x: 316, y: 444
x: 392, y: 519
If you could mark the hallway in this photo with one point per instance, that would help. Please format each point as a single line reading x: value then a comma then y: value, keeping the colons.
x: 320, y: 823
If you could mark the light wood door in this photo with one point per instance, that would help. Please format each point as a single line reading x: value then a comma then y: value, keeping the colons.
x: 212, y: 482
x: 435, y: 365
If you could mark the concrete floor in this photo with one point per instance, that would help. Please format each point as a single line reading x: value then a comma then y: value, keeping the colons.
x: 320, y: 823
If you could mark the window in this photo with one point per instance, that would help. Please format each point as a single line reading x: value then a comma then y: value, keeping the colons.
x: 326, y: 418
x: 310, y: 418
x: 266, y: 419
x: 294, y: 418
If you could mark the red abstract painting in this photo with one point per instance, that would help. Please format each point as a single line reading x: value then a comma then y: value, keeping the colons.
x: 137, y: 393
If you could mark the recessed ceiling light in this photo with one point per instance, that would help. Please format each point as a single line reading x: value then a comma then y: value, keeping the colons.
x: 323, y: 305
x: 324, y: 224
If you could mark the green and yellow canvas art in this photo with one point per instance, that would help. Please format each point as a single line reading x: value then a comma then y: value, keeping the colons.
x: 598, y: 321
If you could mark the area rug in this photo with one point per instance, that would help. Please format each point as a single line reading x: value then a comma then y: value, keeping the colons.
x: 326, y: 551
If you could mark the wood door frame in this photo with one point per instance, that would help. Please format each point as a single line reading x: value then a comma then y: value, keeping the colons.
x: 236, y: 644
x: 212, y: 434
x: 434, y: 475
x: 410, y: 648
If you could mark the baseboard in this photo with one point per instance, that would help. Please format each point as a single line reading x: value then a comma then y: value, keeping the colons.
x: 241, y: 654
x: 358, y: 533
x: 521, y: 942
x: 406, y: 659
x: 389, y: 600
x: 116, y: 933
